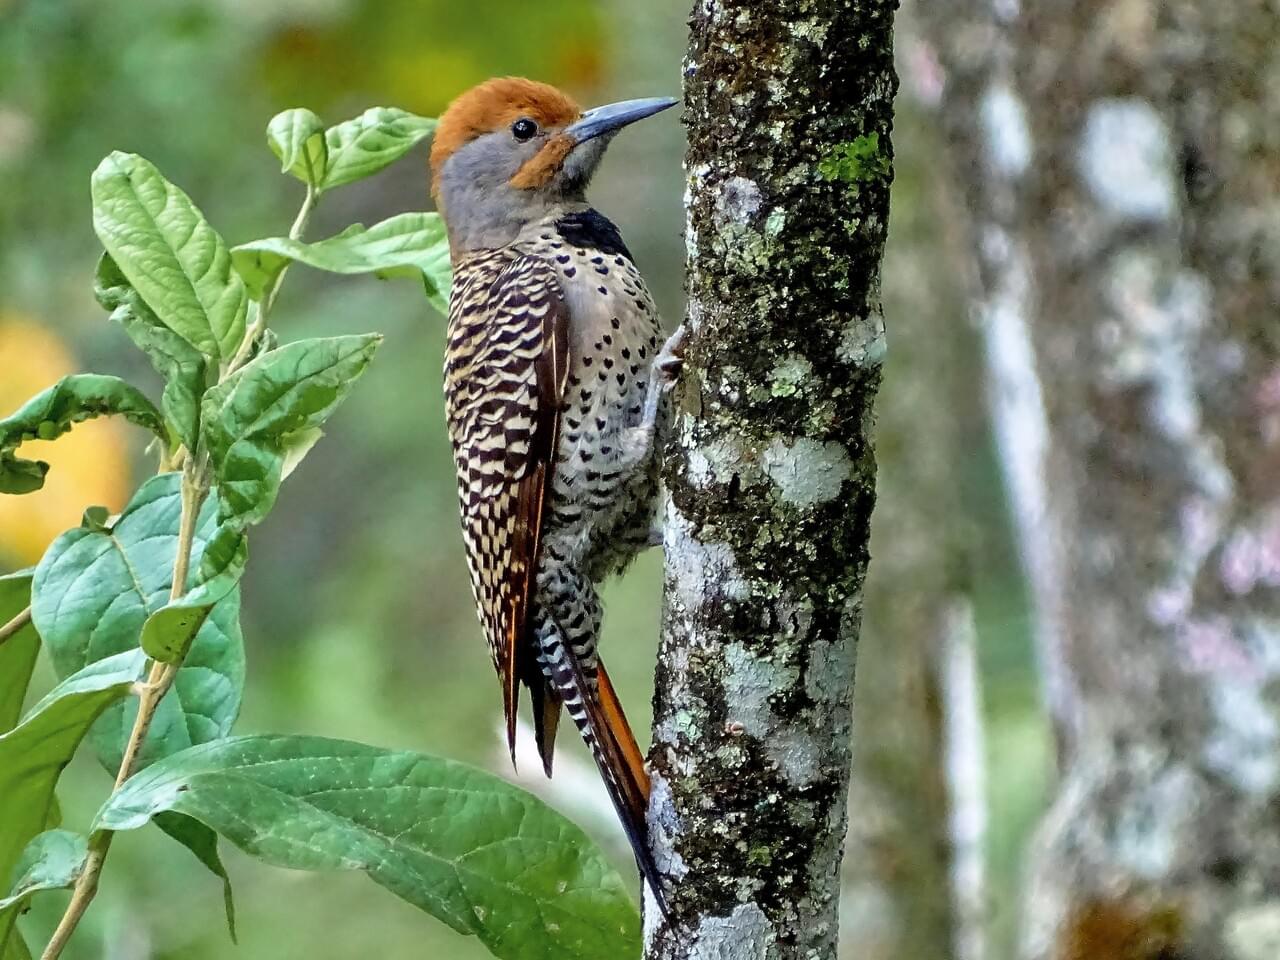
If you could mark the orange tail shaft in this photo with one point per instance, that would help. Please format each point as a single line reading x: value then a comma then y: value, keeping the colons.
x: 604, y: 728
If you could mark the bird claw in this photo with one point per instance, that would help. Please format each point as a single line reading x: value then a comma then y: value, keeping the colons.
x: 669, y: 362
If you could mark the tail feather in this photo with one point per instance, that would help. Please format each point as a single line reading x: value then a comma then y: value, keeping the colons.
x: 604, y: 728
x: 624, y: 743
x: 546, y: 719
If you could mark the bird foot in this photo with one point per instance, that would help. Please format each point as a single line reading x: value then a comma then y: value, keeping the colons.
x: 637, y: 442
x: 669, y: 362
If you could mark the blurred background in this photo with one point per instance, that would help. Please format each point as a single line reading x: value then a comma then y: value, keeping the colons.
x: 358, y: 617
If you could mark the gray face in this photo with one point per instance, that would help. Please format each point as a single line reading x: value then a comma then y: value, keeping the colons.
x: 480, y: 206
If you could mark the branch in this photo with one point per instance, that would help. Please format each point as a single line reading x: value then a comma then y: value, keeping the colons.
x: 261, y: 308
x: 16, y: 624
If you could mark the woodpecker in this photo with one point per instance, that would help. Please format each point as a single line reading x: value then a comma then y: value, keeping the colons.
x: 555, y: 379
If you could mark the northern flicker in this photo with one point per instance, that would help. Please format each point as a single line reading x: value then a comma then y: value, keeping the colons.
x: 555, y: 377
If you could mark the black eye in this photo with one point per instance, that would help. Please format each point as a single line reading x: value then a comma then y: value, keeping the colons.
x: 523, y: 129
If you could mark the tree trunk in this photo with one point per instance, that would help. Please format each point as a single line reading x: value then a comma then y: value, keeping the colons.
x: 771, y: 473
x: 1121, y: 162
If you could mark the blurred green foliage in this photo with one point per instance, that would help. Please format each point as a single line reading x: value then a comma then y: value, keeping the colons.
x: 358, y: 619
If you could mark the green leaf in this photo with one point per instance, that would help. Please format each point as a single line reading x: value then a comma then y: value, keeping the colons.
x: 169, y: 631
x: 411, y: 244
x: 250, y: 420
x: 296, y: 447
x: 51, y: 413
x: 16, y: 948
x: 378, y: 137
x: 92, y: 593
x: 182, y: 365
x: 202, y: 842
x: 95, y: 518
x: 478, y: 853
x: 297, y: 138
x: 34, y: 752
x: 18, y: 653
x: 170, y: 254
x: 51, y: 861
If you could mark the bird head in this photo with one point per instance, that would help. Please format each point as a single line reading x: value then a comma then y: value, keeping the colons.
x: 508, y: 152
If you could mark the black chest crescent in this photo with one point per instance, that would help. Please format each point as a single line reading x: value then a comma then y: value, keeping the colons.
x: 592, y: 230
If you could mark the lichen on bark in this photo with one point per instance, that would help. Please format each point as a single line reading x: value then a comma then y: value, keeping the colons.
x: 770, y: 474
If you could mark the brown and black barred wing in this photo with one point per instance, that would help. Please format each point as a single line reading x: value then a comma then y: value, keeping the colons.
x: 505, y: 369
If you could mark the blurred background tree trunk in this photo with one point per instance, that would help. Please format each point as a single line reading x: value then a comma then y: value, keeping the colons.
x: 915, y: 877
x: 1119, y: 163
x: 771, y: 474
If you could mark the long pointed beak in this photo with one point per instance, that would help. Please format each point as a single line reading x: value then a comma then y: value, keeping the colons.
x: 615, y: 116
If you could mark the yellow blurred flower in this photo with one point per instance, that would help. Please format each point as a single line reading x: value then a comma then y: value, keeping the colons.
x: 88, y: 466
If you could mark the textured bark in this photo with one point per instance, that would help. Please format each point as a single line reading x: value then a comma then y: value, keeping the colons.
x: 1121, y: 162
x: 771, y: 473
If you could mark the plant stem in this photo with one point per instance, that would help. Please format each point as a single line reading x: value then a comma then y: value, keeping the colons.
x: 260, y: 308
x: 14, y: 625
x: 195, y: 486
x: 85, y: 889
x: 161, y: 677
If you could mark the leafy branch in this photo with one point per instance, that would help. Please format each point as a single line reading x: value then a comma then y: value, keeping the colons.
x: 139, y: 613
